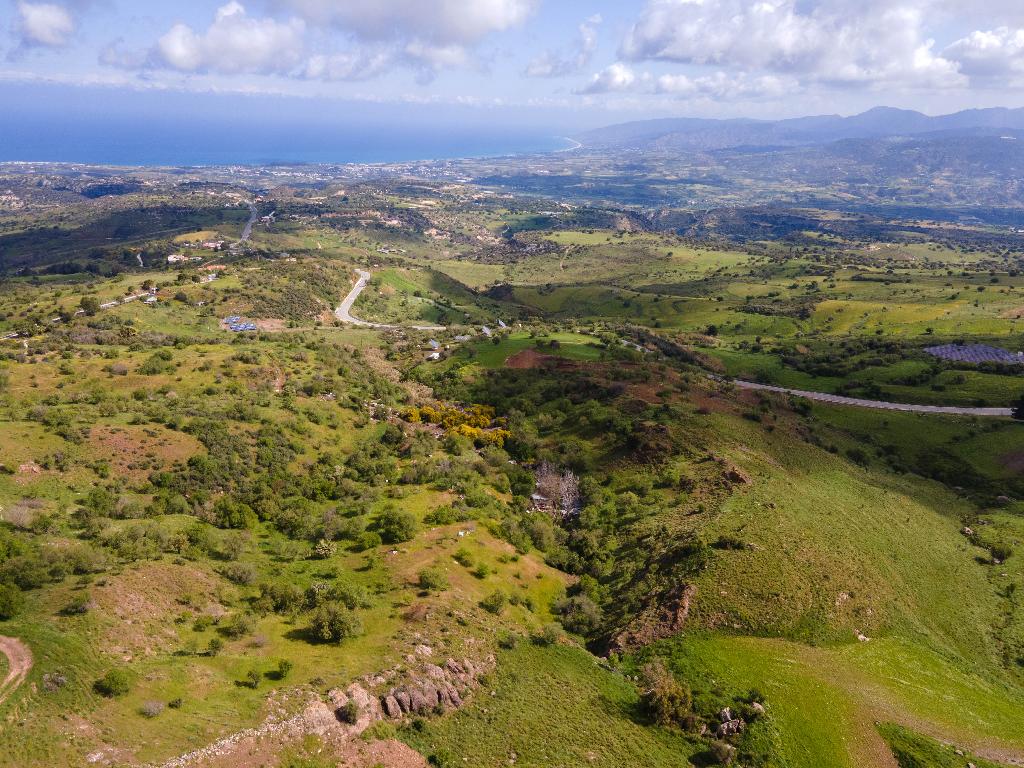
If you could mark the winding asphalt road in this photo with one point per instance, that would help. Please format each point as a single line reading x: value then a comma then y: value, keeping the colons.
x: 344, y: 310
x: 857, y: 402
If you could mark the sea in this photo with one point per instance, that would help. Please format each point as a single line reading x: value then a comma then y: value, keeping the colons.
x: 214, y: 142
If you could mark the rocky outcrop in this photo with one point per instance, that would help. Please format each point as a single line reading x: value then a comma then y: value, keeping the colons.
x: 434, y: 688
x: 666, y: 619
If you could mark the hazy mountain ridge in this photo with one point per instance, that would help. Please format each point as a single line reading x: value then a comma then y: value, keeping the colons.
x: 709, y: 134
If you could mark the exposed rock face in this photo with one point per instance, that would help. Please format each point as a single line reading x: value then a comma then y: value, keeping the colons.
x: 729, y: 725
x: 434, y: 687
x: 665, y: 620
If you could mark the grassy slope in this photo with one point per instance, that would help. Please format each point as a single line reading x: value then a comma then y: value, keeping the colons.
x: 550, y: 706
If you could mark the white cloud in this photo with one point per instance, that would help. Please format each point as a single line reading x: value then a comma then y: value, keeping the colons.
x: 989, y: 54
x: 719, y: 85
x: 840, y: 42
x: 429, y: 35
x: 233, y: 43
x: 554, y: 64
x: 441, y: 22
x: 44, y: 24
x: 613, y: 78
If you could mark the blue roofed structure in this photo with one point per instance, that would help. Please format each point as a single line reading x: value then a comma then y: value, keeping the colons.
x: 976, y: 353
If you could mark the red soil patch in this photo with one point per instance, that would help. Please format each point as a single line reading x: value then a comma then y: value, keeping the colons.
x: 528, y: 358
x: 272, y: 324
x: 129, y: 447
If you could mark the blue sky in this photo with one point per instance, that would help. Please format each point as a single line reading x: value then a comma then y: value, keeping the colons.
x: 571, y: 63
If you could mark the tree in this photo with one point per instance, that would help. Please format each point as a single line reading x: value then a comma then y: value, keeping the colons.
x: 396, y: 526
x: 90, y: 305
x: 333, y: 623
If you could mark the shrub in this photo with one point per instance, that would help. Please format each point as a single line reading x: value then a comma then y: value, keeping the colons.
x: 241, y: 624
x: 284, y: 667
x: 665, y: 699
x: 325, y: 549
x: 79, y: 604
x: 1000, y: 551
x: 722, y: 752
x: 252, y: 679
x: 215, y: 646
x: 578, y: 614
x: 114, y: 684
x: 494, y: 602
x: 349, y: 712
x: 463, y: 557
x: 11, y: 601
x: 550, y: 634
x: 433, y: 579
x: 333, y: 623
x: 240, y: 573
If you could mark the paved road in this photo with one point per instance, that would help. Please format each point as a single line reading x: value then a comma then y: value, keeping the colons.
x: 879, y: 404
x: 19, y: 663
x: 344, y: 310
x: 247, y: 232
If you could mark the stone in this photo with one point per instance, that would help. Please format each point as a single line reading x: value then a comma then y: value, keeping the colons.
x: 391, y: 707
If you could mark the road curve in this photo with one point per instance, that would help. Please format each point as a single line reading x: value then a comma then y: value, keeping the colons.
x: 344, y: 310
x: 857, y: 402
x: 19, y: 663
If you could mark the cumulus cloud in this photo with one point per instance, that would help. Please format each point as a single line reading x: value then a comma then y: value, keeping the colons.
x: 554, y: 64
x: 428, y: 35
x: 440, y: 22
x: 989, y: 54
x: 235, y: 42
x: 868, y: 43
x: 616, y: 77
x: 719, y: 85
x: 44, y: 24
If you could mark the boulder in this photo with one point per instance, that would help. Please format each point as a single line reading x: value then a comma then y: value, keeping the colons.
x: 391, y: 707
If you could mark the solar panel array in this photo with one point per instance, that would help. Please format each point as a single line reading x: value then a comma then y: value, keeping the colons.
x: 236, y: 325
x: 976, y: 353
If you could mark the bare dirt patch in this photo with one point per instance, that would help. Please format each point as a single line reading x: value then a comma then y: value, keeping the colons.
x: 19, y: 663
x: 141, y: 603
x: 528, y: 358
x: 272, y: 324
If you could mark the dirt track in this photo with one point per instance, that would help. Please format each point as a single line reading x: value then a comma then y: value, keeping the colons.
x: 857, y: 402
x: 19, y: 663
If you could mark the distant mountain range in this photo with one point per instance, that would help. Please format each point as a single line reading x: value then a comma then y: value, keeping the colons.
x: 678, y: 134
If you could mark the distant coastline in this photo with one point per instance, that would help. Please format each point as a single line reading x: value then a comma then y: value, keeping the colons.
x: 144, y: 144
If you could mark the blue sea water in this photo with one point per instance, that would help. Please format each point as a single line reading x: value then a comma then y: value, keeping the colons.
x: 106, y: 127
x: 146, y: 143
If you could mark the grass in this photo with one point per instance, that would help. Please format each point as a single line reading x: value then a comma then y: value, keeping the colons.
x: 550, y: 706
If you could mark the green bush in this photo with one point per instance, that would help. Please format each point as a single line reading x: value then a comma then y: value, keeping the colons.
x: 12, y: 601
x: 114, y: 684
x: 396, y: 526
x: 433, y: 579
x: 333, y: 623
x: 494, y: 602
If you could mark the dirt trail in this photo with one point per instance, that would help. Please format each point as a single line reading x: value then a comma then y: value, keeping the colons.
x: 19, y: 663
x: 858, y: 402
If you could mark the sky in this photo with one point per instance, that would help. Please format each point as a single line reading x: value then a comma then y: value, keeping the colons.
x: 568, y: 62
